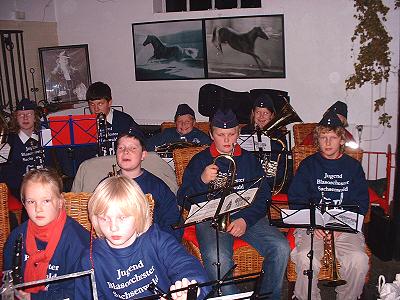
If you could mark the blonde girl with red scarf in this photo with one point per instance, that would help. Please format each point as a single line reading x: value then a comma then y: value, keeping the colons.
x: 52, y: 242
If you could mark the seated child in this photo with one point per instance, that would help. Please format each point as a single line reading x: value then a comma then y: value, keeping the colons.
x: 52, y: 242
x: 131, y: 253
x: 183, y: 132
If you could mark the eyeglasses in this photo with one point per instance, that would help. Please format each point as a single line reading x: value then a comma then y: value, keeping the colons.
x: 129, y: 149
x: 24, y: 115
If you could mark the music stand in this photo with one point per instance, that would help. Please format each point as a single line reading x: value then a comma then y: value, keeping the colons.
x: 70, y: 132
x: 213, y: 209
x: 311, y: 218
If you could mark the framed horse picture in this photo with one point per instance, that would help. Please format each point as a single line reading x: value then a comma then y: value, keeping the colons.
x: 245, y: 47
x: 169, y: 50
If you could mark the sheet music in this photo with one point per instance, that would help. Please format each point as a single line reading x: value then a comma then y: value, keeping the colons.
x: 243, y: 296
x: 207, y: 209
x: 4, y: 152
x: 250, y: 142
x: 47, y: 139
x: 332, y: 217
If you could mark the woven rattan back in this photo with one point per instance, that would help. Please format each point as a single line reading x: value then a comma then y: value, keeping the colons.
x: 203, y: 126
x: 4, y: 221
x: 76, y: 207
x: 182, y: 158
x: 301, y: 130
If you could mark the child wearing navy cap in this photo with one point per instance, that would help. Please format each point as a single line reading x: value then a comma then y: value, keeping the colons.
x: 131, y: 151
x: 330, y: 176
x: 249, y: 224
x: 273, y: 161
x: 184, y: 130
x: 26, y: 153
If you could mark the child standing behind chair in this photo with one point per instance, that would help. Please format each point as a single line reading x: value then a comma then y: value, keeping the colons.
x: 131, y: 253
x: 52, y: 242
x: 330, y: 177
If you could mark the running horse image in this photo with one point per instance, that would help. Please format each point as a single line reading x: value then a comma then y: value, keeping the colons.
x: 162, y: 51
x: 243, y: 42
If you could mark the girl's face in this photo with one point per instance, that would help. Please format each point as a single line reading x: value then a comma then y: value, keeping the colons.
x: 118, y: 229
x: 42, y: 204
x: 262, y: 116
x: 26, y: 119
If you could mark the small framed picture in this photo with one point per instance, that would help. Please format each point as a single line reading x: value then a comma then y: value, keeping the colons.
x: 65, y: 72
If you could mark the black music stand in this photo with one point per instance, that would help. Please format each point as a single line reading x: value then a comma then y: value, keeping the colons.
x: 308, y: 220
x: 213, y: 209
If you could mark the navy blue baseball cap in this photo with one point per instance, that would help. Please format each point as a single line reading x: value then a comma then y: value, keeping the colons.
x: 26, y: 104
x: 340, y: 108
x: 264, y: 101
x: 330, y: 119
x: 224, y: 119
x: 184, y: 109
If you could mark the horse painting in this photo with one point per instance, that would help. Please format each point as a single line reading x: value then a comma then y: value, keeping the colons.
x: 175, y: 52
x: 243, y: 42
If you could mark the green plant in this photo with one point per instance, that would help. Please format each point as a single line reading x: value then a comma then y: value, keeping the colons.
x: 373, y: 62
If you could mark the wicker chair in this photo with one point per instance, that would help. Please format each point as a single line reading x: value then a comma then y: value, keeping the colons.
x: 300, y: 152
x: 203, y: 126
x: 76, y: 207
x: 301, y: 130
x: 246, y: 257
x: 4, y: 221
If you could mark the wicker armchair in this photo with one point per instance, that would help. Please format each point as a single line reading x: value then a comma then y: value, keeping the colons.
x: 300, y: 152
x: 301, y: 130
x: 4, y: 221
x: 76, y: 207
x: 203, y: 126
x: 246, y: 257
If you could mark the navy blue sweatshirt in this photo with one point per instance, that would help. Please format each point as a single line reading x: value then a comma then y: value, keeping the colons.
x: 126, y: 273
x: 166, y: 212
x: 337, y: 181
x: 74, y: 239
x: 247, y: 168
x: 171, y: 135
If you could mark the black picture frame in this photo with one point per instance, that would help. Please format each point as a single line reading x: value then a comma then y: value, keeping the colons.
x: 65, y: 72
x: 169, y: 50
x: 229, y: 47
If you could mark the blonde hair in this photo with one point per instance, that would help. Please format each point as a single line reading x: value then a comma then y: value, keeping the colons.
x: 339, y: 131
x: 126, y: 194
x: 48, y: 177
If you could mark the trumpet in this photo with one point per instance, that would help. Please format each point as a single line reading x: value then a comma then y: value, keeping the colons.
x: 330, y: 258
x: 224, y: 181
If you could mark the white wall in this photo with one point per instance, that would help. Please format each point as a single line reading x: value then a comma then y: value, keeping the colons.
x: 318, y: 59
x: 36, y: 10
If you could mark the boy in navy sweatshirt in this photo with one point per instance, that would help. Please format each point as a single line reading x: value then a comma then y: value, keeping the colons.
x: 330, y: 177
x: 249, y: 224
x: 131, y: 254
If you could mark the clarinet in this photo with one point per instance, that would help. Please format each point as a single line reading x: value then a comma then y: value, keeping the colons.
x: 17, y: 260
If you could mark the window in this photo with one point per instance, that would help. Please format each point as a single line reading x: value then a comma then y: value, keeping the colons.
x: 160, y: 6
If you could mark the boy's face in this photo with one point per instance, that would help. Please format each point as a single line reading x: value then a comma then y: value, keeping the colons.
x: 118, y: 229
x: 26, y: 119
x: 130, y: 154
x: 225, y: 139
x: 41, y: 203
x: 329, y: 144
x: 100, y: 106
x: 184, y: 124
x: 262, y: 116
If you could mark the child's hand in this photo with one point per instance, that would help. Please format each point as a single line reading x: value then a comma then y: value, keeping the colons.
x: 237, y: 227
x: 21, y: 295
x: 209, y: 174
x: 182, y: 295
x: 320, y: 234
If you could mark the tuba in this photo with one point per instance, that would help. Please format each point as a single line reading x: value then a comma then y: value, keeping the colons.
x: 224, y: 182
x: 286, y: 116
x: 103, y: 143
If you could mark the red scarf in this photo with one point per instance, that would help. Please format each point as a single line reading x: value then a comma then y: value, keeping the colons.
x: 237, y: 151
x: 38, y: 261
